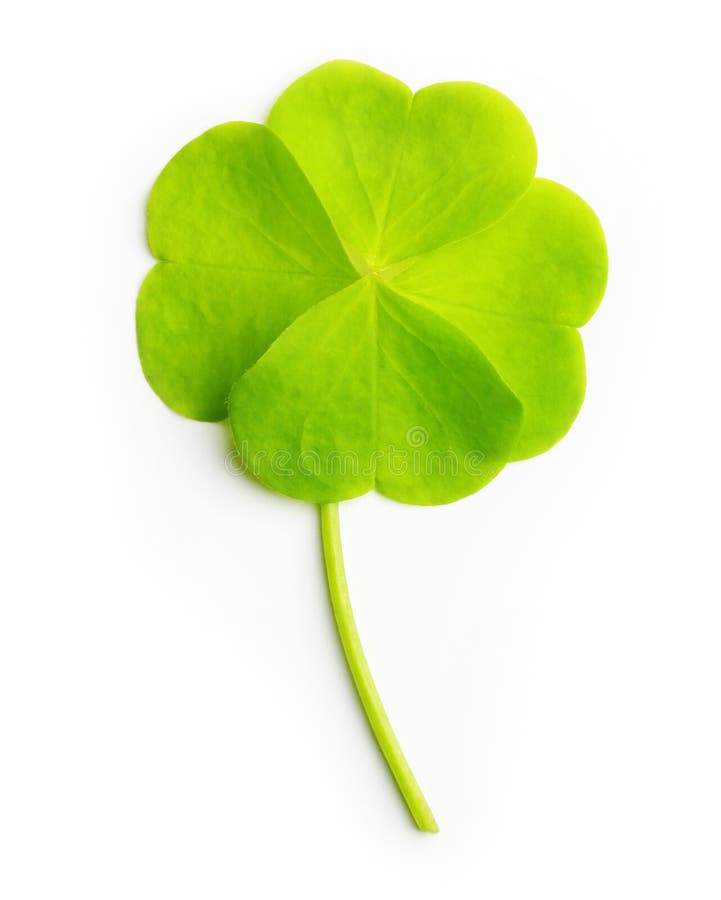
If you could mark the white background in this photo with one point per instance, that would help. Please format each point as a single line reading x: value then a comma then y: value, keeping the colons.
x: 176, y: 720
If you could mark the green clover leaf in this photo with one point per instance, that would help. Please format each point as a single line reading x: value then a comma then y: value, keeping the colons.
x: 378, y: 293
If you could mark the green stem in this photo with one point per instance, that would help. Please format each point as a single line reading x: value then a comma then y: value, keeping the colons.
x: 362, y: 677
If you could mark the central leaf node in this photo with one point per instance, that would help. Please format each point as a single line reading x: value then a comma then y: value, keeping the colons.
x: 366, y: 267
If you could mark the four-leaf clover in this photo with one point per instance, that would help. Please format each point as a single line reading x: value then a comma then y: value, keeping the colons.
x: 378, y: 293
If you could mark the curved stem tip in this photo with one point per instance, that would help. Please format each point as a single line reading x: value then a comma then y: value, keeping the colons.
x: 362, y: 677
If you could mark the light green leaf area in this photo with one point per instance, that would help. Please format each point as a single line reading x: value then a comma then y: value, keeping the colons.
x: 376, y: 284
x: 402, y: 174
x: 235, y: 197
x: 545, y: 261
x: 245, y: 247
x: 200, y: 327
x: 346, y: 423
x: 517, y: 289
